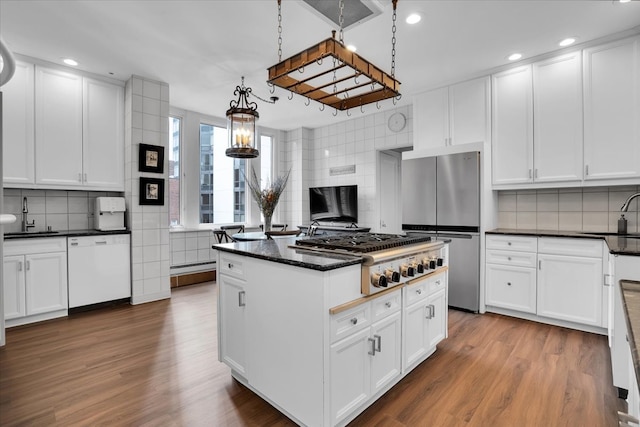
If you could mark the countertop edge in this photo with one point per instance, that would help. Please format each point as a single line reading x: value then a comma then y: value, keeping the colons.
x: 67, y: 233
x: 311, y: 266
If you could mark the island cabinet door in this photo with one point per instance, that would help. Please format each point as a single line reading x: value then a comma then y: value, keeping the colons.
x: 385, y: 362
x: 416, y: 334
x: 436, y: 315
x: 350, y: 374
x: 232, y: 303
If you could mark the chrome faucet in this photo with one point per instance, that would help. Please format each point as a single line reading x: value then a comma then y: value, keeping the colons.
x: 625, y: 206
x: 25, y: 222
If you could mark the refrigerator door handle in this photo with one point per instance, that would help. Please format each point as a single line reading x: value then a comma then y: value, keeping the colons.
x: 455, y: 236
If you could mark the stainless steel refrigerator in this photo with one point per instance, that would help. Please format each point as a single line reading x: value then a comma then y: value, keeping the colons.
x: 441, y: 196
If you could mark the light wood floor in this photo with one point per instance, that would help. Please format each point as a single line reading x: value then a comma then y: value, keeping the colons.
x: 156, y: 365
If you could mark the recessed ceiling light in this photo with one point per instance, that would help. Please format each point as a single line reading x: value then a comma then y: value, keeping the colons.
x: 352, y: 48
x: 70, y: 61
x: 625, y: 1
x: 567, y: 42
x: 514, y: 56
x: 414, y: 18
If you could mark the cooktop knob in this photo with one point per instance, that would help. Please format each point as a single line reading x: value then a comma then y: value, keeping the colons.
x: 379, y: 280
x: 432, y: 264
x: 440, y: 262
x: 411, y: 271
x: 420, y: 268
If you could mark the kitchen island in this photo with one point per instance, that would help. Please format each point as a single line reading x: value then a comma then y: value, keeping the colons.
x: 294, y: 327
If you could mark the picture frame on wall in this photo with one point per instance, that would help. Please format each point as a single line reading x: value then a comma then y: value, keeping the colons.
x: 151, y: 191
x: 151, y: 158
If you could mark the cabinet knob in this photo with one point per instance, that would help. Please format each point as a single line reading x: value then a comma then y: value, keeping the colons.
x: 508, y: 283
x: 509, y: 243
x: 419, y: 291
x: 509, y: 258
x: 388, y: 304
x: 354, y: 320
x: 230, y: 265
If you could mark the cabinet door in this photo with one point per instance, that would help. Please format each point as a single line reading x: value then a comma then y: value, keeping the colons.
x: 103, y: 135
x: 512, y: 138
x: 416, y: 343
x: 46, y: 282
x: 436, y: 318
x: 557, y: 112
x: 431, y: 119
x: 611, y: 110
x: 386, y: 363
x: 570, y: 288
x: 58, y: 128
x: 18, y: 127
x: 469, y: 118
x: 14, y: 289
x: 232, y: 300
x: 350, y: 374
x: 511, y: 287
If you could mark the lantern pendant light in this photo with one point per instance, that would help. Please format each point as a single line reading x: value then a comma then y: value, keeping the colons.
x: 241, y: 125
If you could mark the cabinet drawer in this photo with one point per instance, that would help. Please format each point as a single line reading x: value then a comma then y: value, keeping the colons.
x: 35, y: 245
x: 519, y: 259
x: 510, y: 287
x: 231, y: 265
x: 416, y: 292
x: 350, y: 321
x: 436, y: 283
x: 386, y: 305
x: 577, y: 247
x: 512, y: 243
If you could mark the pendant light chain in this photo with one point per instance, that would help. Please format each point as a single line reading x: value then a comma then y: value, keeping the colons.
x: 279, y: 30
x: 341, y: 20
x: 393, y: 41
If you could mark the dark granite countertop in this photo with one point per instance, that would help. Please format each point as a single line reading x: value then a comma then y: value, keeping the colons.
x: 620, y: 245
x: 62, y: 233
x: 279, y: 251
x: 631, y: 303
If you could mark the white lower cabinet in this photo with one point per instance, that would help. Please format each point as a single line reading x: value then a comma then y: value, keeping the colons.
x: 232, y: 336
x: 425, y: 319
x: 363, y: 364
x: 35, y: 280
x: 548, y: 279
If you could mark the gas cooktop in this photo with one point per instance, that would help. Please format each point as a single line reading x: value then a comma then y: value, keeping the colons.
x: 362, y: 242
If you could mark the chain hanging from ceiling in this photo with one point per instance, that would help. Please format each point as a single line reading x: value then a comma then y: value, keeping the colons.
x: 345, y: 82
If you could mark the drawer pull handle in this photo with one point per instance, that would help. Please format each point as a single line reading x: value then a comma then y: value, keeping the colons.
x: 241, y: 299
x: 354, y: 321
x: 378, y: 346
x: 388, y: 304
x: 372, y: 352
x: 230, y: 266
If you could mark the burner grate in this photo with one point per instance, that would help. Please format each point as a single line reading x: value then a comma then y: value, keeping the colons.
x: 363, y: 242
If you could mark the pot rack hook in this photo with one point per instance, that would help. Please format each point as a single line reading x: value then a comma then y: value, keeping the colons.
x: 362, y: 108
x: 348, y: 113
x: 378, y: 105
x: 355, y: 79
x: 301, y: 69
x: 335, y: 113
x: 319, y: 61
x: 272, y: 88
x: 290, y: 96
x: 321, y: 107
x: 307, y: 102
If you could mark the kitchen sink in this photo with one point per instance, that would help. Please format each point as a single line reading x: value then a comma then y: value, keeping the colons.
x: 31, y: 233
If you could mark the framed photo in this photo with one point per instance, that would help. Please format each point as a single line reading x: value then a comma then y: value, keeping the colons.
x: 151, y: 191
x: 151, y: 158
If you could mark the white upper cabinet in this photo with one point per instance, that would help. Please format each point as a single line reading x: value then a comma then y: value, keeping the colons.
x: 58, y: 127
x: 18, y: 132
x: 557, y: 119
x: 453, y: 115
x: 512, y: 119
x: 62, y: 131
x: 612, y: 109
x: 103, y: 134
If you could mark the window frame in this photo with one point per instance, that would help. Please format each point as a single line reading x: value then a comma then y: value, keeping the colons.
x: 181, y: 174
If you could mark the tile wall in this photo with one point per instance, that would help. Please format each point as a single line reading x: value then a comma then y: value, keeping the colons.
x: 568, y: 209
x: 146, y: 121
x: 60, y: 210
x: 350, y: 142
x: 192, y: 247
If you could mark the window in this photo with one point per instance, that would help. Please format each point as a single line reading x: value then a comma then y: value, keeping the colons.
x: 175, y: 136
x: 222, y: 187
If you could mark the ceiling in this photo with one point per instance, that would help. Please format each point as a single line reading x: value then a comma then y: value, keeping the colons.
x: 202, y: 48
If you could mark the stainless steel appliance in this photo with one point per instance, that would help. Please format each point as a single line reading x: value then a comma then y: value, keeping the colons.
x: 389, y: 259
x: 441, y: 198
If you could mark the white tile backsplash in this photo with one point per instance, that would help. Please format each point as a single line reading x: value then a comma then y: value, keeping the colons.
x: 568, y: 209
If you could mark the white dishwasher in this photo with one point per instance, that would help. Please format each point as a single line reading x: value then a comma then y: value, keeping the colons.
x: 99, y: 268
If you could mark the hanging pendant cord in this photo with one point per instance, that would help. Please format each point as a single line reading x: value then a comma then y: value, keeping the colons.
x: 279, y: 30
x: 341, y: 20
x: 393, y: 41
